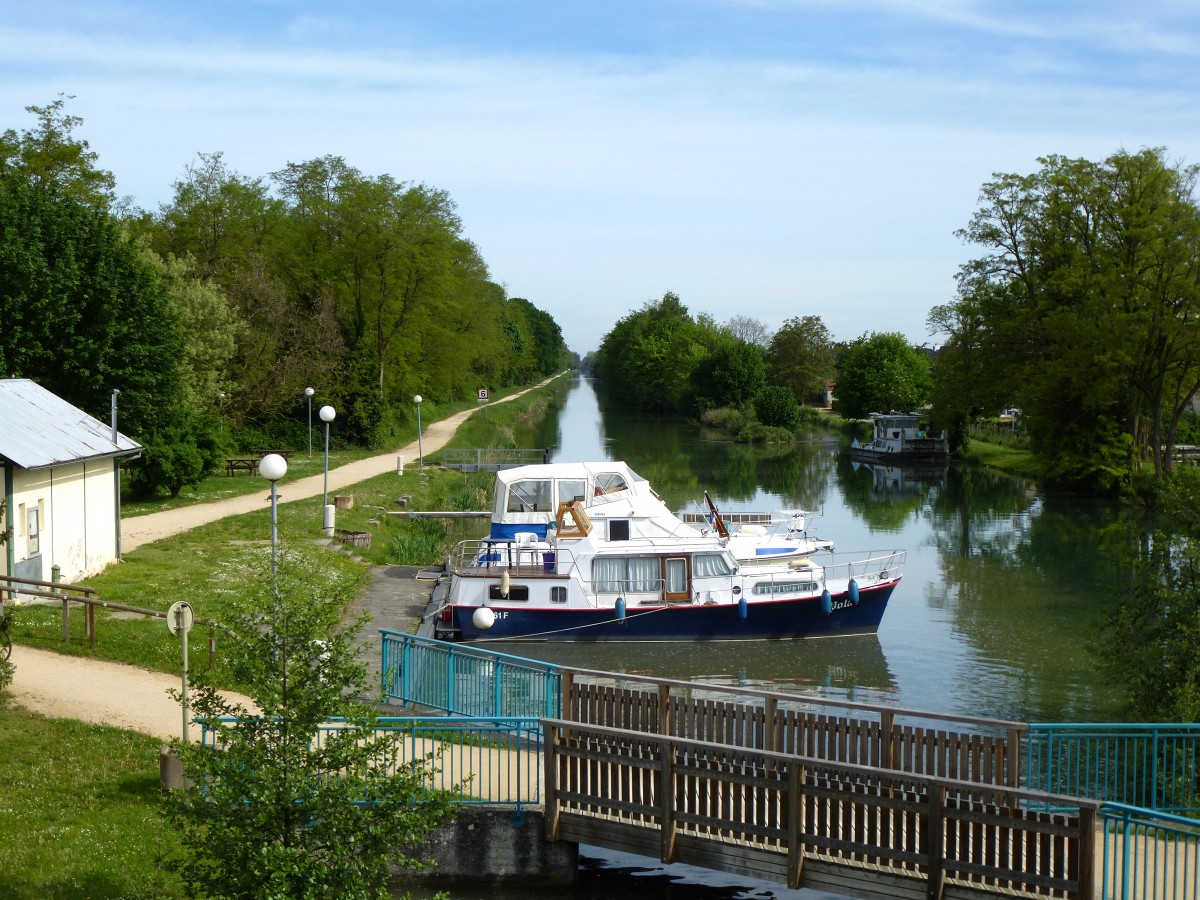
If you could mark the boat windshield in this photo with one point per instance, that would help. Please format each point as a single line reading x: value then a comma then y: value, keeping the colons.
x: 530, y: 495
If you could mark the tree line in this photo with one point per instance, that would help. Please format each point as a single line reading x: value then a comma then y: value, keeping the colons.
x: 1081, y: 311
x: 213, y: 313
x: 661, y: 359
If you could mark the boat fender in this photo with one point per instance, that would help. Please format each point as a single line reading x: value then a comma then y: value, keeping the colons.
x: 826, y: 602
x: 743, y: 608
x: 483, y: 618
x: 853, y: 591
x: 621, y: 609
x: 505, y: 583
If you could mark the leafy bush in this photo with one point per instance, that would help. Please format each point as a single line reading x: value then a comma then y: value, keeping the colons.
x: 777, y: 406
x: 765, y: 434
x: 725, y: 418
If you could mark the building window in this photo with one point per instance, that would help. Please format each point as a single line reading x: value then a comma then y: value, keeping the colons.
x: 33, y: 543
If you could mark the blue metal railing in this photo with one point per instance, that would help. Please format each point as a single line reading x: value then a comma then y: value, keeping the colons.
x: 1149, y: 855
x: 494, y: 761
x: 467, y: 681
x: 1153, y: 766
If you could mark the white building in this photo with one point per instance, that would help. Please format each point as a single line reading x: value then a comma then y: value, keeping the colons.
x: 60, y: 485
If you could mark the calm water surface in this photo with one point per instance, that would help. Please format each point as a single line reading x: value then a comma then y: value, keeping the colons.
x: 1002, y: 592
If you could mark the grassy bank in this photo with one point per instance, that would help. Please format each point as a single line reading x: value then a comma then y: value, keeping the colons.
x: 215, y: 565
x: 80, y: 812
x: 80, y: 802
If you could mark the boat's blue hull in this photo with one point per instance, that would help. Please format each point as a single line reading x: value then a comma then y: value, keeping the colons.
x: 763, y: 620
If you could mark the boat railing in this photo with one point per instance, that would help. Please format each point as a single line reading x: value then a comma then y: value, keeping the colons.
x: 871, y: 567
x: 491, y: 556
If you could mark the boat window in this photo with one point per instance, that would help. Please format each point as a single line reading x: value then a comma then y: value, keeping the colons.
x: 618, y: 529
x: 610, y: 483
x: 677, y: 582
x: 530, y: 495
x: 618, y: 574
x: 517, y: 593
x: 571, y: 489
x: 558, y: 595
x: 710, y: 564
x: 786, y: 587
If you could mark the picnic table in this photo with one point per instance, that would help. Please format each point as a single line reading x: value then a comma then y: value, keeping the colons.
x: 235, y: 464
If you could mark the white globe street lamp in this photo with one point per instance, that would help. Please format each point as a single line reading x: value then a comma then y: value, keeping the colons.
x: 308, y: 393
x: 420, y: 449
x: 273, y: 467
x: 327, y: 415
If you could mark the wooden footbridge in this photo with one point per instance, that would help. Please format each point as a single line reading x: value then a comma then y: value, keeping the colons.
x: 860, y: 800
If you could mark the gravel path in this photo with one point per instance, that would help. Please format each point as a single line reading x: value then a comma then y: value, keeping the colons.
x: 124, y: 696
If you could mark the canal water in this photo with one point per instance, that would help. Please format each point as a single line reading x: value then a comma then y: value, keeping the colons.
x: 1002, y: 594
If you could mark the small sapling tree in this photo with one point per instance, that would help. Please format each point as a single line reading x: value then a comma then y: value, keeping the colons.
x: 279, y: 803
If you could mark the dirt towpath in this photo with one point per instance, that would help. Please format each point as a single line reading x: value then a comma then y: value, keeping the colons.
x: 124, y: 696
x: 150, y: 528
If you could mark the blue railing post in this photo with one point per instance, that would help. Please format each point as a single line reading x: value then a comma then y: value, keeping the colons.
x: 1154, y: 788
x: 1126, y: 844
x: 498, y: 689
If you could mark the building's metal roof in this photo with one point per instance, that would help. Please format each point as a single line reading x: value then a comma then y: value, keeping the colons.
x: 39, y: 430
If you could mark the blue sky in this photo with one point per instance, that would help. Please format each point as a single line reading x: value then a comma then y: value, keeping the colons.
x: 770, y: 158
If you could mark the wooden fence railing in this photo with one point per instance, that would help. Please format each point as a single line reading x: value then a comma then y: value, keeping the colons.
x: 66, y: 594
x: 981, y: 751
x: 811, y: 822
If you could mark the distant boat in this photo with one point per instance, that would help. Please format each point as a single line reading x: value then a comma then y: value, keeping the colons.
x: 900, y: 437
x: 588, y: 552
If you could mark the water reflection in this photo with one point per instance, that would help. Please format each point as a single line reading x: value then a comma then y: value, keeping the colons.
x: 1003, y: 588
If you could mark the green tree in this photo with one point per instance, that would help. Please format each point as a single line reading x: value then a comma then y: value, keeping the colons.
x: 881, y: 373
x: 82, y: 312
x: 776, y: 405
x: 649, y: 355
x: 51, y: 156
x: 731, y: 374
x: 801, y: 358
x: 275, y: 809
x: 964, y: 386
x: 1084, y: 306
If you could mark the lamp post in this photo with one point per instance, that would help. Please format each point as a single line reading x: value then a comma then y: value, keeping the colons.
x: 308, y: 392
x: 273, y: 467
x: 327, y: 414
x: 116, y: 477
x: 420, y: 449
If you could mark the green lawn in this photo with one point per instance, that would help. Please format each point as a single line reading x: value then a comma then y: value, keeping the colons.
x: 79, y: 808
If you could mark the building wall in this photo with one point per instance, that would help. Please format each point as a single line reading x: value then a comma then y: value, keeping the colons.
x: 66, y: 517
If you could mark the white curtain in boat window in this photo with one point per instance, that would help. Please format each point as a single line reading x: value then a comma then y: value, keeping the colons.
x: 708, y: 565
x: 616, y: 574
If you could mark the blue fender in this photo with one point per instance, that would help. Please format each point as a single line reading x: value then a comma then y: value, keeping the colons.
x: 826, y: 602
x: 620, y: 609
x: 743, y: 609
x: 853, y: 591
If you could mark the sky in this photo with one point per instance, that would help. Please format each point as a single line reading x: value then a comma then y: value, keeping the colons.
x: 761, y: 158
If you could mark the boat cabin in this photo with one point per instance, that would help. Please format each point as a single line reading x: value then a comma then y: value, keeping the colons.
x: 528, y: 497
